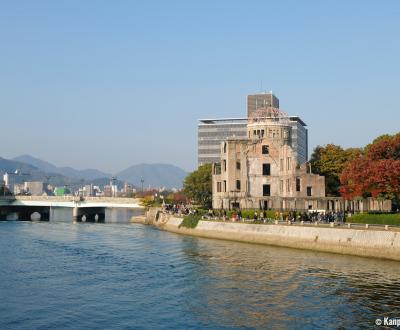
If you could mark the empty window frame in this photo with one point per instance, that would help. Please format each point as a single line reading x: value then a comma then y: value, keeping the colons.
x: 266, y: 190
x: 266, y: 169
x: 237, y: 184
x: 298, y: 184
x: 265, y: 150
x: 217, y: 168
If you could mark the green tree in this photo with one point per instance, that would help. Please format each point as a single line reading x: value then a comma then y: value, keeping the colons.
x: 198, y: 186
x: 330, y: 161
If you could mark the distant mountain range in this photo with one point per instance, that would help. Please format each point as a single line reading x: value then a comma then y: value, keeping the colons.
x: 28, y: 172
x: 153, y: 175
x: 88, y: 174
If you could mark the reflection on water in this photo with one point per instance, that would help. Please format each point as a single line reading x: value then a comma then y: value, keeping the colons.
x: 112, y: 215
x: 262, y: 286
x: 63, y: 275
x: 121, y: 215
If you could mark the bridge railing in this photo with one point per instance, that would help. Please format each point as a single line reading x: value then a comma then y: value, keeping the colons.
x: 48, y: 198
x: 116, y: 200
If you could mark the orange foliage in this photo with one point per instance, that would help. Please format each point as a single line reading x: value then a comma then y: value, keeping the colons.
x: 375, y: 173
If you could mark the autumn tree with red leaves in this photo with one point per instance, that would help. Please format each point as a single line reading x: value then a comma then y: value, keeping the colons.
x: 376, y: 173
x: 330, y: 161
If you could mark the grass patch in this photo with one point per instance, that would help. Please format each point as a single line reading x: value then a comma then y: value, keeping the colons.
x: 190, y: 221
x: 376, y: 219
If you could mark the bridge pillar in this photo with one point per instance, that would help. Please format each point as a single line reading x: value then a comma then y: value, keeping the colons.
x: 24, y: 213
x: 75, y: 214
x: 88, y: 214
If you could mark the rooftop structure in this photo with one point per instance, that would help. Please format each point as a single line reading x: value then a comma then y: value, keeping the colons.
x: 261, y: 100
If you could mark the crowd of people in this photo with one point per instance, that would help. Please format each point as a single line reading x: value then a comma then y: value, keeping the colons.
x: 179, y: 209
x: 292, y: 216
x: 258, y: 215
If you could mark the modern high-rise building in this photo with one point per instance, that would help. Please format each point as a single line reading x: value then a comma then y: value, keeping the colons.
x: 211, y: 132
x: 261, y: 100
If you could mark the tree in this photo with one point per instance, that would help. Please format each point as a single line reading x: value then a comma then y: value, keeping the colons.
x: 376, y: 173
x: 176, y: 197
x: 329, y: 161
x: 198, y: 186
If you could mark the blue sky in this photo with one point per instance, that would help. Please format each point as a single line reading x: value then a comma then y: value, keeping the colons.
x: 108, y: 84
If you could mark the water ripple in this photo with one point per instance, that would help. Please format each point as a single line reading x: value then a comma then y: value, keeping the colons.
x: 102, y: 276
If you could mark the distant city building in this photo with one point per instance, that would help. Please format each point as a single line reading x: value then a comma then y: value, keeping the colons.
x: 107, y: 191
x: 97, y: 191
x: 88, y: 190
x: 60, y: 191
x: 9, y: 181
x: 211, y: 132
x: 19, y: 189
x: 34, y: 188
x: 114, y: 190
x: 128, y: 189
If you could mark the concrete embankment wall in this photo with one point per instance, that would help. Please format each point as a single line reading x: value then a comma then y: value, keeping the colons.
x: 149, y: 218
x: 359, y: 242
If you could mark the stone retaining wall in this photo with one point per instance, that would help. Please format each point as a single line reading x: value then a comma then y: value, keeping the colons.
x: 360, y: 242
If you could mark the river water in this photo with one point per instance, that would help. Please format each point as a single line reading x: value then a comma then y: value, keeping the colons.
x: 61, y: 275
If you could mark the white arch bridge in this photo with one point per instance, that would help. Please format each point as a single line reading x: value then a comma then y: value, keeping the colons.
x: 48, y: 208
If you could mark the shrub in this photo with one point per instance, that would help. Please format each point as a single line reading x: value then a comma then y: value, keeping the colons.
x: 376, y: 219
x: 190, y: 221
x: 249, y: 214
x: 201, y: 212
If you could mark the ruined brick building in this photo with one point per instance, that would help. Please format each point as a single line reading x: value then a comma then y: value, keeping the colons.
x: 268, y: 168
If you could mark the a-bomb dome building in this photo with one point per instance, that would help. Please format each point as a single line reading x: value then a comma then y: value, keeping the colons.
x: 268, y: 169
